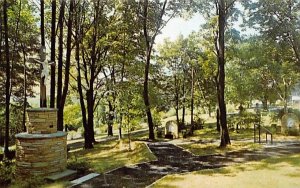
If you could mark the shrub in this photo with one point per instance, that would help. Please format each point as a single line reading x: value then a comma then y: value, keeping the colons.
x: 78, y: 165
x: 7, y: 170
x: 33, y: 182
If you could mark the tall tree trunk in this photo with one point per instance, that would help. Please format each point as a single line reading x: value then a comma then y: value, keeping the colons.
x: 192, y: 103
x: 177, y: 102
x: 7, y: 83
x: 218, y: 120
x: 285, y: 99
x: 90, y: 110
x: 60, y: 67
x: 53, y: 66
x: 87, y: 141
x: 67, y: 68
x: 225, y: 139
x: 265, y: 102
x: 43, y: 95
x: 110, y: 119
x: 146, y: 96
x: 25, y: 93
x: 183, y: 103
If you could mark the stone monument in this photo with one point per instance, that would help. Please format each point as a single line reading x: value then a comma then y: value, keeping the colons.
x: 290, y: 124
x: 42, y: 150
x: 171, y: 130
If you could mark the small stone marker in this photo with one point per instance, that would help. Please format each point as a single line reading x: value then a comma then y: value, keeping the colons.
x: 64, y: 175
x: 171, y: 130
x: 83, y: 179
x: 290, y: 124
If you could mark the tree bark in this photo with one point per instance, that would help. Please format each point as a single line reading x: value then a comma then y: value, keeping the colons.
x: 146, y: 96
x: 25, y: 93
x: 43, y: 95
x: 285, y: 99
x: 218, y: 120
x: 192, y: 103
x: 53, y: 66
x: 183, y: 103
x: 88, y: 144
x: 177, y: 102
x: 60, y: 66
x: 67, y: 68
x: 7, y: 83
x: 90, y: 110
x: 225, y: 139
x: 110, y: 119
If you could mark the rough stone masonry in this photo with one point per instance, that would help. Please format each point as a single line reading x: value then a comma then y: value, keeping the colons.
x: 42, y: 150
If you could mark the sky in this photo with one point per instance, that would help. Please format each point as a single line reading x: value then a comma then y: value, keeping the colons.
x: 178, y: 25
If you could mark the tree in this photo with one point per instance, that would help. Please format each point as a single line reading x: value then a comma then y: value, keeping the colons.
x: 53, y: 41
x: 60, y: 66
x: 23, y: 40
x: 7, y: 85
x: 62, y: 100
x: 224, y: 10
x: 277, y: 20
x: 92, y: 45
x: 153, y: 16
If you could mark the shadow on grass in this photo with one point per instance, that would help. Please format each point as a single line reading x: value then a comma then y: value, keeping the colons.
x: 113, y: 154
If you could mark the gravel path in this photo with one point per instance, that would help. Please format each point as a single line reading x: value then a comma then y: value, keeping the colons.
x: 172, y: 159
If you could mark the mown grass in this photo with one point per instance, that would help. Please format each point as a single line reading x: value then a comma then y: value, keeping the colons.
x: 269, y: 173
x: 213, y: 148
x: 113, y: 154
x: 205, y: 142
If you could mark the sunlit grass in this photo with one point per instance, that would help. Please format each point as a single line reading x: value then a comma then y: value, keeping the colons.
x: 213, y: 148
x: 62, y: 184
x: 268, y: 173
x: 205, y: 142
x: 113, y: 154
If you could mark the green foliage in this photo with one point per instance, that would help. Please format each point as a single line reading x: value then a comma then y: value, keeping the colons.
x: 72, y: 116
x: 7, y: 171
x: 16, y: 126
x: 32, y: 182
x: 81, y: 166
x: 245, y: 119
x: 198, y: 122
x: 157, y: 118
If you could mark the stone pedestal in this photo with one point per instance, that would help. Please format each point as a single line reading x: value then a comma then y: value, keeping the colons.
x: 41, y: 120
x: 40, y: 154
x: 42, y: 150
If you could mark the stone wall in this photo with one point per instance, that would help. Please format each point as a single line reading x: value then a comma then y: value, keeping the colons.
x: 40, y: 154
x: 41, y: 121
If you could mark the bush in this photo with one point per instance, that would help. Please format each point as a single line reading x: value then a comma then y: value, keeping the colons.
x: 246, y: 118
x: 7, y: 171
x: 156, y: 118
x: 198, y: 122
x: 33, y: 182
x: 78, y: 165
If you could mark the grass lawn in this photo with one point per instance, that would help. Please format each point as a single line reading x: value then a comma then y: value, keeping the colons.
x: 113, y: 154
x: 283, y: 172
x: 206, y: 142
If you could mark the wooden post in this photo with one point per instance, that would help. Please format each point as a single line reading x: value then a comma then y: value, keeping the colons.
x: 254, y: 133
x: 258, y: 133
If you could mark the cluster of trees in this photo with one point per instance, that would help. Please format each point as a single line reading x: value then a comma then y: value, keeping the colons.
x: 104, y: 55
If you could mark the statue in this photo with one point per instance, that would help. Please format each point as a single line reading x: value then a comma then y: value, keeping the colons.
x: 44, y: 74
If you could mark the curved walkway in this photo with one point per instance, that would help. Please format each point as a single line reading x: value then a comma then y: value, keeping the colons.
x: 172, y: 159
